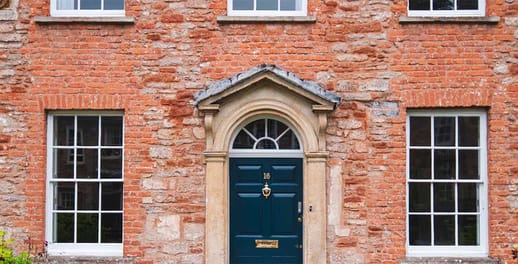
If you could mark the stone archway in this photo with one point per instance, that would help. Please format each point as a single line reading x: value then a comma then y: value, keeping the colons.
x: 265, y: 91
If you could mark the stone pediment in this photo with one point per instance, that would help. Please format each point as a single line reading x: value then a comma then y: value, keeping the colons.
x: 321, y: 99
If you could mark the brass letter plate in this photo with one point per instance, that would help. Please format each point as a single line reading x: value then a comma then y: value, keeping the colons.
x: 266, y: 243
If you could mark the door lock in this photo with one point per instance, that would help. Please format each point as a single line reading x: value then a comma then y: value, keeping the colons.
x: 299, y: 219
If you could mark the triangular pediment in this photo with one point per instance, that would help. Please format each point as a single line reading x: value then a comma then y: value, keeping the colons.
x: 220, y: 90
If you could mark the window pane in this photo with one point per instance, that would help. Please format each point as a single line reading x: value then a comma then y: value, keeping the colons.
x: 87, y: 163
x: 87, y: 228
x: 63, y: 228
x: 111, y: 163
x: 442, y: 4
x: 91, y: 4
x: 289, y: 5
x: 444, y: 167
x: 419, y: 197
x: 420, y: 131
x: 257, y: 128
x: 243, y: 141
x: 468, y: 164
x: 266, y: 144
x: 87, y: 131
x: 113, y: 4
x: 266, y: 4
x: 66, y: 4
x: 88, y: 196
x: 444, y: 129
x: 111, y: 131
x: 420, y: 164
x: 111, y: 228
x: 468, y: 230
x: 444, y: 197
x: 469, y: 131
x: 419, y: 4
x: 420, y: 230
x: 243, y: 4
x: 444, y: 230
x: 64, y: 194
x: 468, y: 197
x: 288, y: 141
x: 63, y: 162
x: 63, y: 131
x: 275, y: 128
x: 111, y: 196
x: 467, y: 4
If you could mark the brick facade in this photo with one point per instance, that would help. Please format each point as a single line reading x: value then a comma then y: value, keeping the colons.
x: 150, y: 69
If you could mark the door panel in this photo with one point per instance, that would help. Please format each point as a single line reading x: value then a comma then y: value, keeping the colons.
x: 254, y: 217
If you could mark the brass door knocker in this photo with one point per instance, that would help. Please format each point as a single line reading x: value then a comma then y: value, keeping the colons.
x: 266, y: 190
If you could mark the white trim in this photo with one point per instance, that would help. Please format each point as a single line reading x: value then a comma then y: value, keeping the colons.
x: 481, y: 11
x: 85, y: 249
x: 451, y: 251
x: 293, y: 153
x: 79, y: 249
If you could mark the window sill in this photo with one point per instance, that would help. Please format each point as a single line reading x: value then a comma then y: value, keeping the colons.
x: 441, y: 260
x: 73, y: 260
x: 480, y: 20
x: 265, y: 19
x: 8, y: 15
x: 68, y: 20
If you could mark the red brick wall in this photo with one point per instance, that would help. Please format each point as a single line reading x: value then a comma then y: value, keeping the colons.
x: 152, y: 68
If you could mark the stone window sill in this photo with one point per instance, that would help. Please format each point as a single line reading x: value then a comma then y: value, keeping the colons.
x: 68, y: 20
x: 480, y: 20
x: 8, y: 15
x: 82, y: 260
x: 439, y: 260
x: 265, y: 19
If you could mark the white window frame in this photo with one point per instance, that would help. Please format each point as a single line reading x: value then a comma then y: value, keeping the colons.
x: 481, y: 11
x: 84, y: 13
x: 77, y: 249
x: 452, y: 251
x: 265, y: 153
x: 264, y: 13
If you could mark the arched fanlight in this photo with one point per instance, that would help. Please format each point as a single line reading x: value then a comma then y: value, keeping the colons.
x: 267, y: 134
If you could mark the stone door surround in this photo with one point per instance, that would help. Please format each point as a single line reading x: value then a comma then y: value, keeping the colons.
x: 265, y: 91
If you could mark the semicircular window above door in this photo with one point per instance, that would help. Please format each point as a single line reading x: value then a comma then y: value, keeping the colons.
x: 266, y: 134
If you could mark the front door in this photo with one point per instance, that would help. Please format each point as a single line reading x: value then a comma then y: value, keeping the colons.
x: 266, y: 210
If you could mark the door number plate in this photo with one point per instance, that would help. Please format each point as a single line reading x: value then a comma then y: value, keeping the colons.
x: 266, y: 243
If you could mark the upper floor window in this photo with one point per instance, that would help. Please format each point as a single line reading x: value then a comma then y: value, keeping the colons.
x: 451, y: 8
x: 447, y: 183
x: 85, y: 183
x: 267, y: 7
x: 87, y: 7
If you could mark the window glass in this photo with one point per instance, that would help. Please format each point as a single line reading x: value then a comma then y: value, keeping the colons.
x: 113, y: 4
x: 266, y: 4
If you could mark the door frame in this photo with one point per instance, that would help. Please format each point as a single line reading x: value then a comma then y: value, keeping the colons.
x: 300, y: 189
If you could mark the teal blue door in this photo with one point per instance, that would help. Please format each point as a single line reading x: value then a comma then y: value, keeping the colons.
x: 266, y: 226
